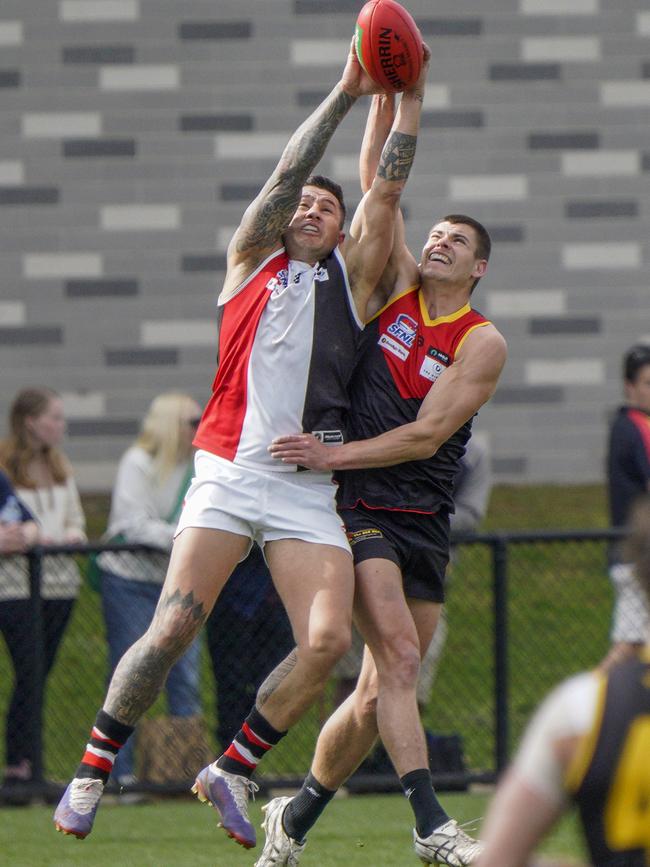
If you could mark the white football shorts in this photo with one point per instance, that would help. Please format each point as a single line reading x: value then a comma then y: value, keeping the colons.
x: 264, y: 506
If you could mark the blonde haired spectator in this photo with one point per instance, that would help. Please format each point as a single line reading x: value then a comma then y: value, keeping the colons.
x: 43, y: 481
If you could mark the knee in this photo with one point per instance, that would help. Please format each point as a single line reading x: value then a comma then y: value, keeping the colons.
x: 399, y: 666
x: 172, y: 634
x: 325, y: 647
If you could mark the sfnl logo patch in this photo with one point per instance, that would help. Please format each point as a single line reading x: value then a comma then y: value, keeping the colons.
x: 400, y: 336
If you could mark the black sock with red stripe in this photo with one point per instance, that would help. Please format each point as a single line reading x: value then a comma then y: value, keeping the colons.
x: 106, y: 738
x: 251, y: 743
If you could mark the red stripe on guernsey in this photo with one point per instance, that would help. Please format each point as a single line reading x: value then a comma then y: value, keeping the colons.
x: 233, y: 753
x: 255, y: 739
x: 97, y: 762
x: 223, y: 418
x: 100, y: 736
x: 642, y: 424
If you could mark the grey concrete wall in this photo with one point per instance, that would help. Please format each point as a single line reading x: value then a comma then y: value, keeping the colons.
x: 133, y: 133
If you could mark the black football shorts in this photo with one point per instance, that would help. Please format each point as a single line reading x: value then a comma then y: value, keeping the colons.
x: 418, y: 544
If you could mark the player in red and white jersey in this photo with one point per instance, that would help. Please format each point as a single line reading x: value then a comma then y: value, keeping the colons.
x: 291, y: 312
x: 429, y: 362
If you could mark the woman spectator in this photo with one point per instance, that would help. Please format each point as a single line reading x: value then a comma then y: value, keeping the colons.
x: 152, y: 478
x: 42, y: 480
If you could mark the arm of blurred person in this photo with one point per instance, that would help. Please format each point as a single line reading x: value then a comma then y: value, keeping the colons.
x: 533, y: 794
x: 74, y: 526
x: 134, y: 511
x: 17, y: 537
x: 473, y: 488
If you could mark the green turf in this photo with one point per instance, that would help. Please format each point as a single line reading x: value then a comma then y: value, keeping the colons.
x: 356, y: 832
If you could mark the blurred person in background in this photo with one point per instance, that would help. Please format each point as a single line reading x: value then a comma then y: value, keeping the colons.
x: 43, y: 482
x: 628, y: 477
x: 588, y: 743
x: 152, y: 478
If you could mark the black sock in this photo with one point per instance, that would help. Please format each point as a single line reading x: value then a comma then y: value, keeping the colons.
x: 303, y: 811
x: 249, y: 746
x: 108, y: 735
x: 428, y: 810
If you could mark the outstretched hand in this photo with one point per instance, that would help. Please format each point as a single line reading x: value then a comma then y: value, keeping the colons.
x: 305, y: 450
x: 419, y: 85
x: 355, y: 81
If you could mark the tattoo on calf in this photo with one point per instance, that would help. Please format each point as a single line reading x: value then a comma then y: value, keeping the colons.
x: 275, y: 678
x: 141, y: 673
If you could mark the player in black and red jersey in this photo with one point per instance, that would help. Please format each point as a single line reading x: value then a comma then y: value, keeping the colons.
x: 429, y: 362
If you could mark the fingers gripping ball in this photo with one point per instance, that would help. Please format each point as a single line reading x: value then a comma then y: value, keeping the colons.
x: 389, y: 44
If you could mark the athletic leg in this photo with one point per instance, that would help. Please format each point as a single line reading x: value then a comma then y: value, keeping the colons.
x: 200, y: 564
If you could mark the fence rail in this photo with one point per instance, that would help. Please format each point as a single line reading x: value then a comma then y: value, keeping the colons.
x: 524, y: 610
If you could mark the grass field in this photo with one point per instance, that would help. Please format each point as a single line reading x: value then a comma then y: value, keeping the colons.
x: 358, y: 831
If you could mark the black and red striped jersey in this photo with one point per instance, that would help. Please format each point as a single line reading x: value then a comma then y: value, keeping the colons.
x: 403, y: 353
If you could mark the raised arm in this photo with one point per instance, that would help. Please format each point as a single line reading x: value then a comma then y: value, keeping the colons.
x: 401, y: 271
x: 457, y: 395
x: 269, y: 214
x: 371, y: 237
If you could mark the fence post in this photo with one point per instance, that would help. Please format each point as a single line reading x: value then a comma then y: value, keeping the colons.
x: 500, y: 567
x: 35, y: 563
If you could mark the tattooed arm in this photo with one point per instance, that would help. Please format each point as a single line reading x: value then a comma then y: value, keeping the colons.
x: 267, y: 217
x: 371, y: 237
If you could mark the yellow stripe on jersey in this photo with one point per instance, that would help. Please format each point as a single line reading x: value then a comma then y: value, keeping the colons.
x: 579, y: 764
x: 469, y: 331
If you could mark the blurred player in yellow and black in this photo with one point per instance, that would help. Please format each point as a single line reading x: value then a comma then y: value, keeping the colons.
x: 588, y: 743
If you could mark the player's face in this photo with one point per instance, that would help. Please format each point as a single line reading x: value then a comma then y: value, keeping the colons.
x: 449, y: 255
x: 638, y: 392
x: 315, y: 228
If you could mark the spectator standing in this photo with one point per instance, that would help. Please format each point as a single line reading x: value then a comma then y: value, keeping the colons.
x: 43, y: 482
x: 152, y: 478
x: 628, y: 476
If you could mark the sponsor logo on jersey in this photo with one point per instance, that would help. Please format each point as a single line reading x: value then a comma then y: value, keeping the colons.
x: 433, y: 364
x: 279, y: 282
x: 329, y: 437
x: 404, y: 329
x: 393, y: 346
x: 355, y: 536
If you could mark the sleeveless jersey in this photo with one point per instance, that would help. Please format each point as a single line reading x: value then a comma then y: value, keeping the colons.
x: 403, y: 353
x: 288, y: 339
x: 612, y: 783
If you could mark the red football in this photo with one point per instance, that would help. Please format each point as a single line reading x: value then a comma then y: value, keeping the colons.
x: 389, y: 44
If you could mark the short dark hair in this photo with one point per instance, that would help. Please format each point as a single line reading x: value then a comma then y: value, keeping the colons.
x: 331, y: 187
x: 484, y: 245
x: 634, y: 359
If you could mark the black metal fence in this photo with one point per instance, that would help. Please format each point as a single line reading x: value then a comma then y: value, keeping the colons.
x: 524, y: 610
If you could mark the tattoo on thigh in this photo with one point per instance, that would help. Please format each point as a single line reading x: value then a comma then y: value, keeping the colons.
x: 141, y: 673
x: 275, y: 678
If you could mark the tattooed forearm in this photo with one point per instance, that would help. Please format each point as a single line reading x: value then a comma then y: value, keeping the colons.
x: 276, y: 677
x: 302, y: 153
x: 397, y: 157
x: 141, y: 673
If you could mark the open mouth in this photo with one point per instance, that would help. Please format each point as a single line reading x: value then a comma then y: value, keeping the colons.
x: 439, y: 257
